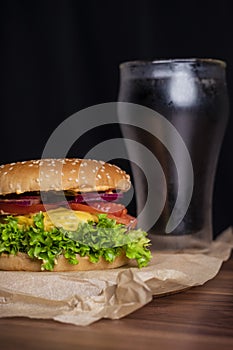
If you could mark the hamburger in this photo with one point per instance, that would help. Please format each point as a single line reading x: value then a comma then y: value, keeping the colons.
x: 66, y: 215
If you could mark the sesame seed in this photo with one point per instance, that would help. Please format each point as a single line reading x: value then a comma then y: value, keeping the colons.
x: 2, y: 166
x: 47, y: 175
x: 70, y: 179
x: 99, y: 176
x: 72, y: 171
x: 11, y: 168
x: 117, y: 167
x: 93, y: 170
x: 76, y: 180
x: 31, y: 164
x: 23, y: 162
x: 5, y: 173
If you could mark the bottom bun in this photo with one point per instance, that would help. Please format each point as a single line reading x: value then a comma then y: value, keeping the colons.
x: 22, y: 262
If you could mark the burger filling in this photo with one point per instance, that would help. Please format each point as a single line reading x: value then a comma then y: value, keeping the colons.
x: 90, y: 224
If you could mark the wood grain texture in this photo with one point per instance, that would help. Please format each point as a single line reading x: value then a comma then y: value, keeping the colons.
x: 199, y: 318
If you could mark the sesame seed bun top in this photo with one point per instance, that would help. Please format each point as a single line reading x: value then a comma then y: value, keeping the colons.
x: 78, y: 175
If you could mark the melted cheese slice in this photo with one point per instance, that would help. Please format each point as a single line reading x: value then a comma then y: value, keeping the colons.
x: 60, y: 217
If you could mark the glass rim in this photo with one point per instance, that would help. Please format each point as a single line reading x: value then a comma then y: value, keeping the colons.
x: 173, y: 60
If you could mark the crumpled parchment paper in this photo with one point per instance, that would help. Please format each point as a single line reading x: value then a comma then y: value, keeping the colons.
x: 82, y: 298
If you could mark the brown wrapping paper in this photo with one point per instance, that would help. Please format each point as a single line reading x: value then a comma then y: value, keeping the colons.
x: 82, y: 298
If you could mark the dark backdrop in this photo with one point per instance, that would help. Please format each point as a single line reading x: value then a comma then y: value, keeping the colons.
x: 58, y: 57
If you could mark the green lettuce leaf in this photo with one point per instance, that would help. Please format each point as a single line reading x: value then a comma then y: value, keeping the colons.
x: 105, y: 239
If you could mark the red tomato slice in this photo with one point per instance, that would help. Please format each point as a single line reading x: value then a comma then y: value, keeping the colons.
x: 83, y: 207
x: 114, y: 211
x: 126, y: 220
x: 111, y: 208
x: 100, y: 207
x: 22, y: 210
x: 96, y: 207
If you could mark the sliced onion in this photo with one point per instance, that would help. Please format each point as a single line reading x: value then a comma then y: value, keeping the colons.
x: 81, y: 198
x: 94, y: 196
x: 110, y: 197
x: 21, y: 201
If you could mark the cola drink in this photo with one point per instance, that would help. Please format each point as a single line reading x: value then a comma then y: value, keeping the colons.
x: 192, y: 95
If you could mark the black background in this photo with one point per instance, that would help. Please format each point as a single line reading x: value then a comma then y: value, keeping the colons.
x: 58, y: 57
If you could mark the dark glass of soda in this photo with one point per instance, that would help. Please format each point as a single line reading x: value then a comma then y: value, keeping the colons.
x: 192, y: 95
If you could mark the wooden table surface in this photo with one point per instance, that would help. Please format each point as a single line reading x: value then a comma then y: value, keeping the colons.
x: 199, y: 318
